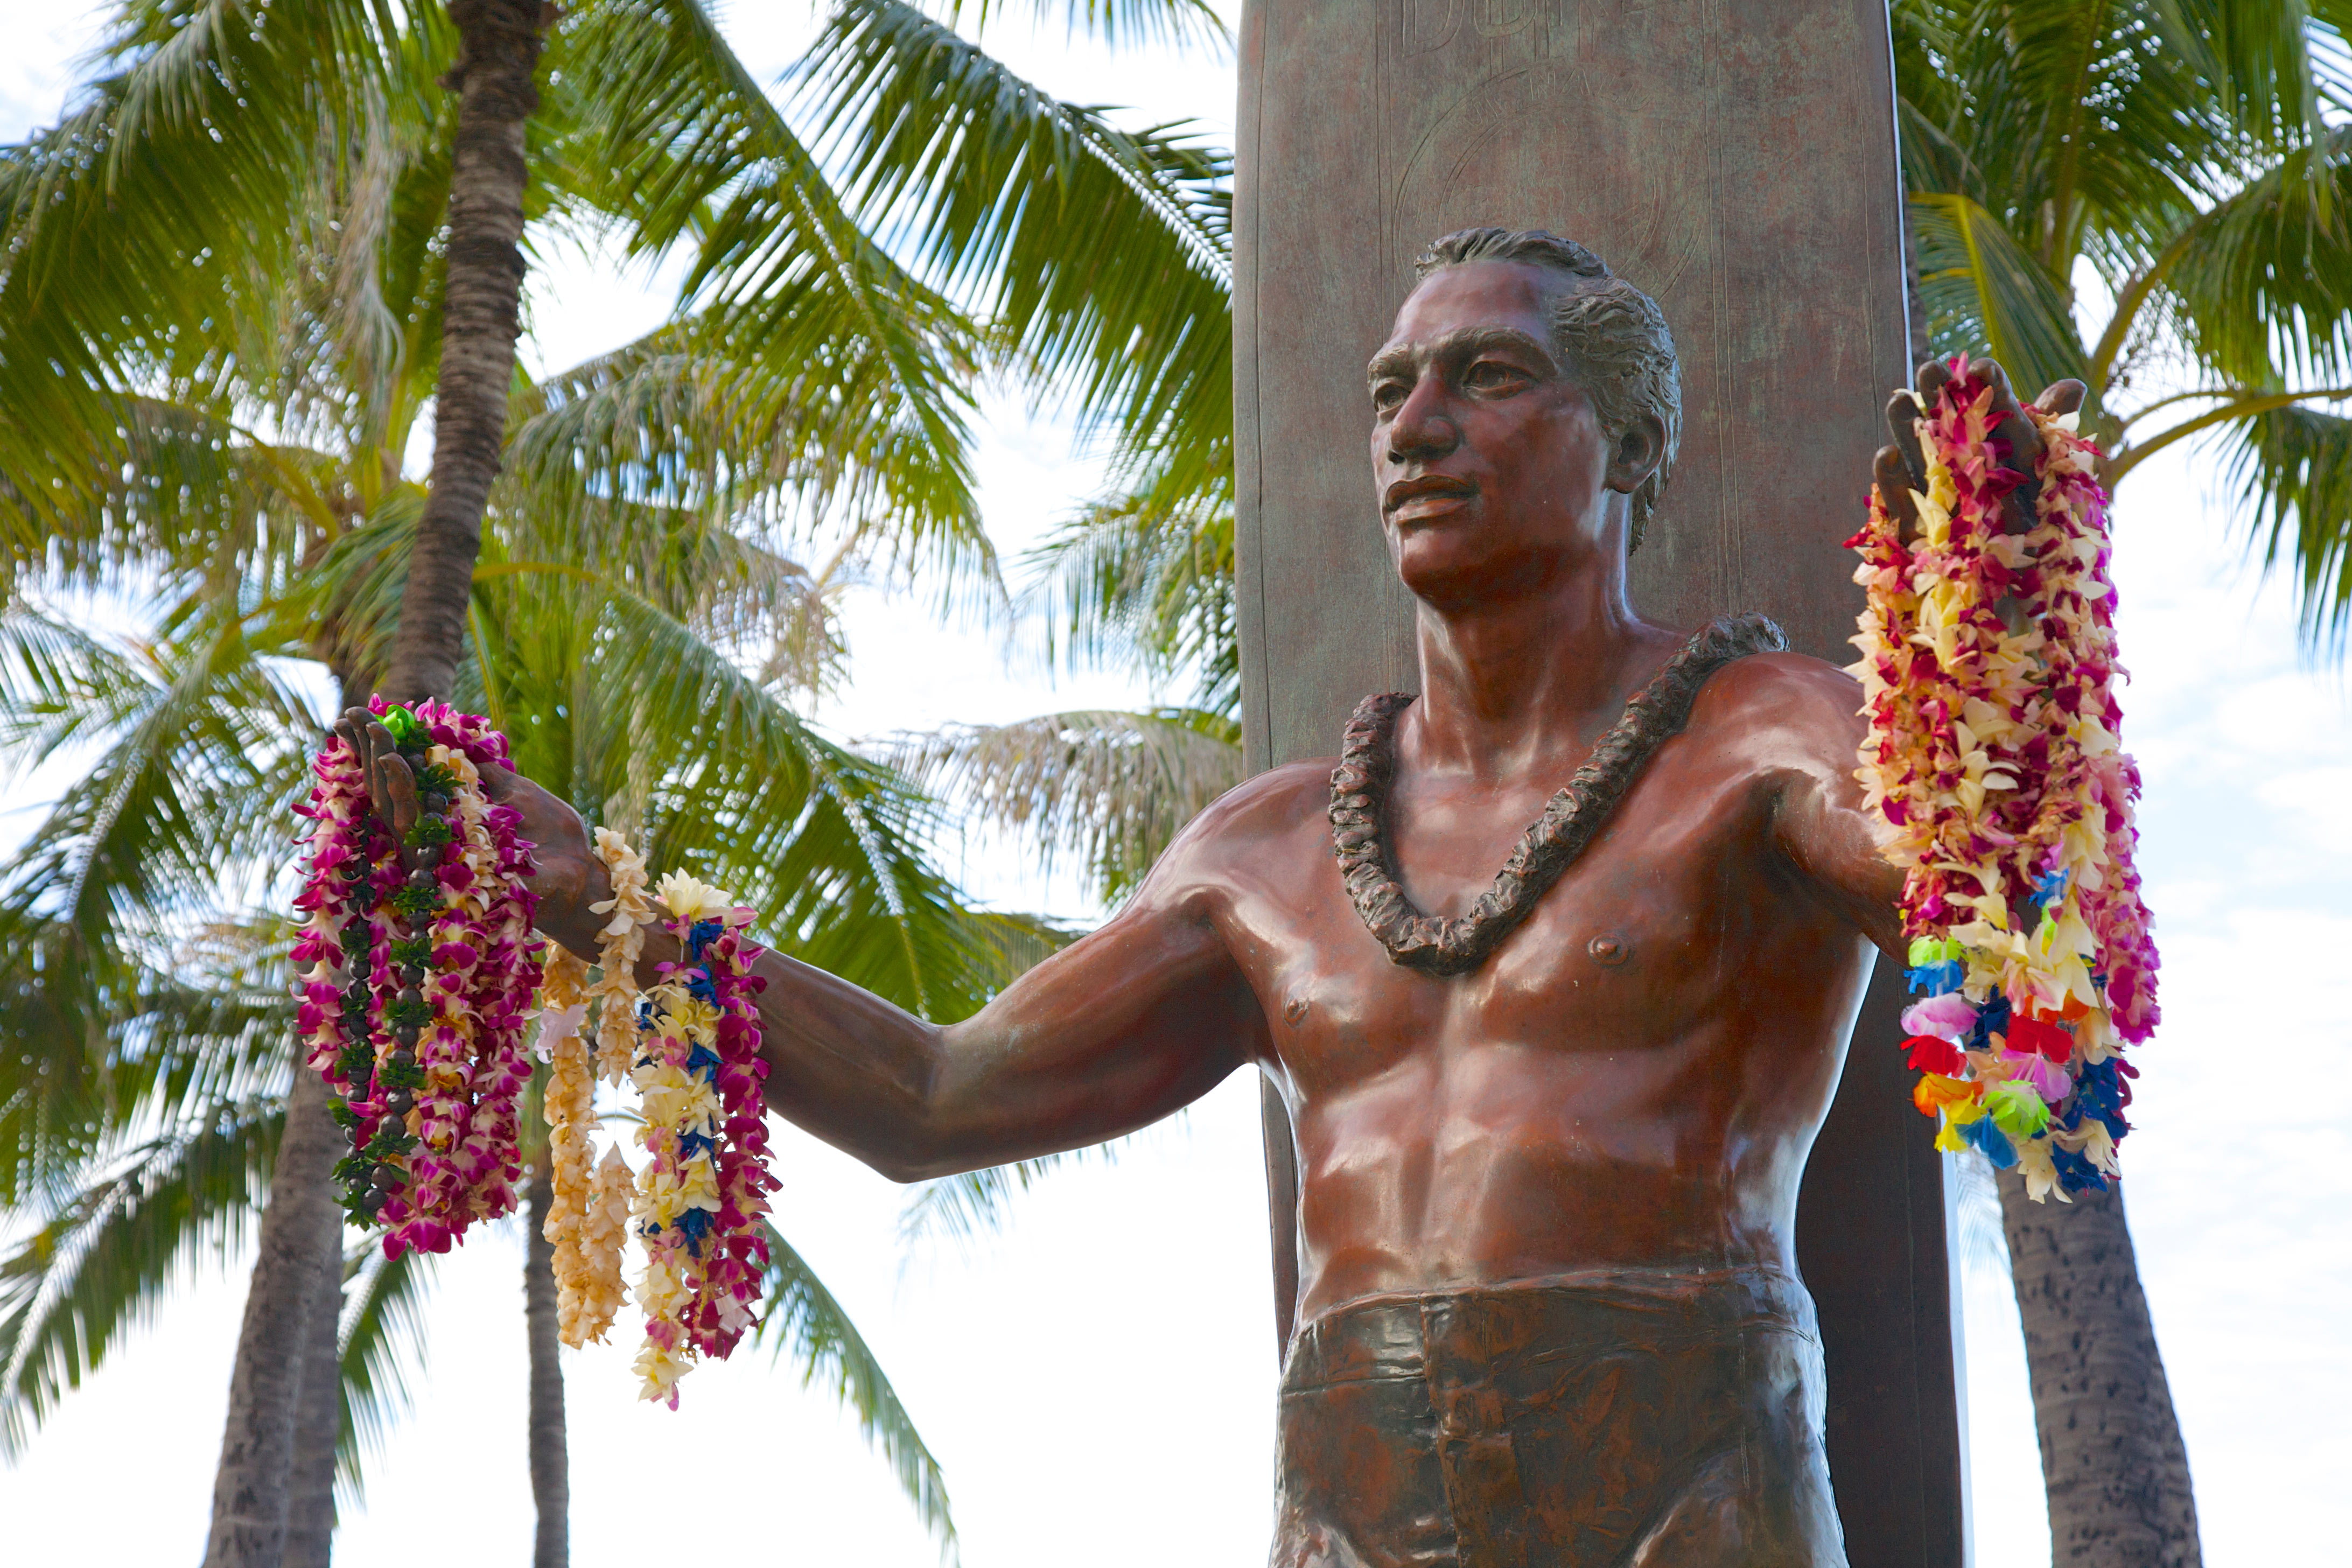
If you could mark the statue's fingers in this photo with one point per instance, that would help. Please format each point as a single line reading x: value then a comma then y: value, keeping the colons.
x: 360, y: 727
x: 400, y: 784
x: 384, y: 765
x: 2024, y: 443
x: 2008, y: 420
x: 1895, y: 487
x: 2062, y: 398
x: 2004, y: 397
x: 1902, y: 415
x: 1930, y: 382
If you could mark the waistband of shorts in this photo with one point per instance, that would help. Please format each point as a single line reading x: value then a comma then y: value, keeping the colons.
x: 1390, y: 1335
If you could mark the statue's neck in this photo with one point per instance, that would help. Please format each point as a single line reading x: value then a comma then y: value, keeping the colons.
x: 1517, y: 684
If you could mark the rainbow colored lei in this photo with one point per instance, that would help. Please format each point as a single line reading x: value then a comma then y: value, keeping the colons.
x: 415, y: 984
x: 1988, y: 666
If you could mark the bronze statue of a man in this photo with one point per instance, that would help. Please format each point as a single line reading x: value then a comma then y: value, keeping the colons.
x: 1552, y: 1087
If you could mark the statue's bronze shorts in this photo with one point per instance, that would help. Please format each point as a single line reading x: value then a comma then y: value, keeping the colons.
x: 1613, y: 1419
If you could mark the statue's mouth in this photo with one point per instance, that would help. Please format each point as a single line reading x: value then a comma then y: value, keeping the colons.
x: 1432, y: 489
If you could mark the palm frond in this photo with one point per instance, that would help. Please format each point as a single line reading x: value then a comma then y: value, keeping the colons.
x: 102, y: 1040
x: 1146, y: 580
x: 743, y: 596
x: 691, y: 149
x: 2262, y: 286
x: 70, y: 1290
x: 830, y: 847
x: 382, y: 1348
x: 2254, y: 56
x: 2293, y: 466
x: 1114, y: 789
x: 177, y: 194
x: 1986, y: 294
x: 181, y: 494
x: 753, y: 433
x: 1102, y: 255
x: 974, y: 1204
x: 657, y: 727
x: 1115, y: 22
x: 204, y: 745
x: 802, y: 1323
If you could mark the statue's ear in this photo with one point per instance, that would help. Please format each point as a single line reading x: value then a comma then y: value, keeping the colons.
x: 1635, y: 455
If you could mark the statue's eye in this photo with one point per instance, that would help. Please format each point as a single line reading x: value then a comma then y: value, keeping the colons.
x: 1493, y: 375
x: 1388, y: 396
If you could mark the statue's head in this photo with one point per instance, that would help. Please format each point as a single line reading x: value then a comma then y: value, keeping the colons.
x: 1522, y: 387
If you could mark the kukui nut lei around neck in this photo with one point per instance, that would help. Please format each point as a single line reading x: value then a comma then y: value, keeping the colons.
x: 1360, y: 787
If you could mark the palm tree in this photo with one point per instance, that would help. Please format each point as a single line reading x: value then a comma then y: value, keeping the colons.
x: 346, y: 352
x: 828, y: 842
x: 195, y: 179
x: 499, y: 44
x: 2183, y: 151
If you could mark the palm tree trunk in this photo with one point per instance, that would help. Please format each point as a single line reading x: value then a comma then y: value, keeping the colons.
x: 498, y: 46
x: 300, y: 1229
x: 550, y: 1476
x: 317, y: 1423
x: 2112, y: 1459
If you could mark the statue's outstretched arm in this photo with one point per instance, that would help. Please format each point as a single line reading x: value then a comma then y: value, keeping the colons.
x: 1127, y: 1025
x: 1118, y: 1030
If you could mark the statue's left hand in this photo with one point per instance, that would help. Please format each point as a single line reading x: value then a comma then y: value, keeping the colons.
x: 1901, y: 467
x: 565, y: 871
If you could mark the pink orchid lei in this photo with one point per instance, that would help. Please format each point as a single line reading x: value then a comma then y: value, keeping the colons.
x: 1988, y: 666
x: 415, y: 984
x: 701, y: 1197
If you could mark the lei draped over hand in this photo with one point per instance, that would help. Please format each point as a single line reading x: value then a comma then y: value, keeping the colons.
x: 415, y: 982
x: 419, y: 978
x: 1988, y: 668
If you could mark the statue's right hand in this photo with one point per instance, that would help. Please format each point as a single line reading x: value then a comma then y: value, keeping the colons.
x: 392, y: 788
x: 565, y: 877
x: 1902, y: 468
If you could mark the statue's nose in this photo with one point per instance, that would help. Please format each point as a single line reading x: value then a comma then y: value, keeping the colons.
x: 1422, y: 427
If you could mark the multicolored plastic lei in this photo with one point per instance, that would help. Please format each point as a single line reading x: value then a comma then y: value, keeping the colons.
x: 1988, y: 665
x: 702, y: 1195
x: 416, y: 980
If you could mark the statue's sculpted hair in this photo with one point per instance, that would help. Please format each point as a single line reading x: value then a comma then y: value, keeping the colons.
x: 1612, y: 335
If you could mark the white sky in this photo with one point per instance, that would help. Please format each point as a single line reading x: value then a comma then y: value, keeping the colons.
x: 1098, y: 1383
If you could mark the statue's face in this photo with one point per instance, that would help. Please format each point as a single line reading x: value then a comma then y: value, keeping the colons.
x: 1492, y: 470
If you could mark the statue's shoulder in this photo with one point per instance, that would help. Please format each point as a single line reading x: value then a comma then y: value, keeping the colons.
x: 1269, y: 824
x: 1789, y: 697
x: 1263, y: 810
x: 1275, y: 801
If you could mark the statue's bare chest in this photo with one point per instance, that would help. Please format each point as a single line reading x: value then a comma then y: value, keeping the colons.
x: 1626, y: 949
